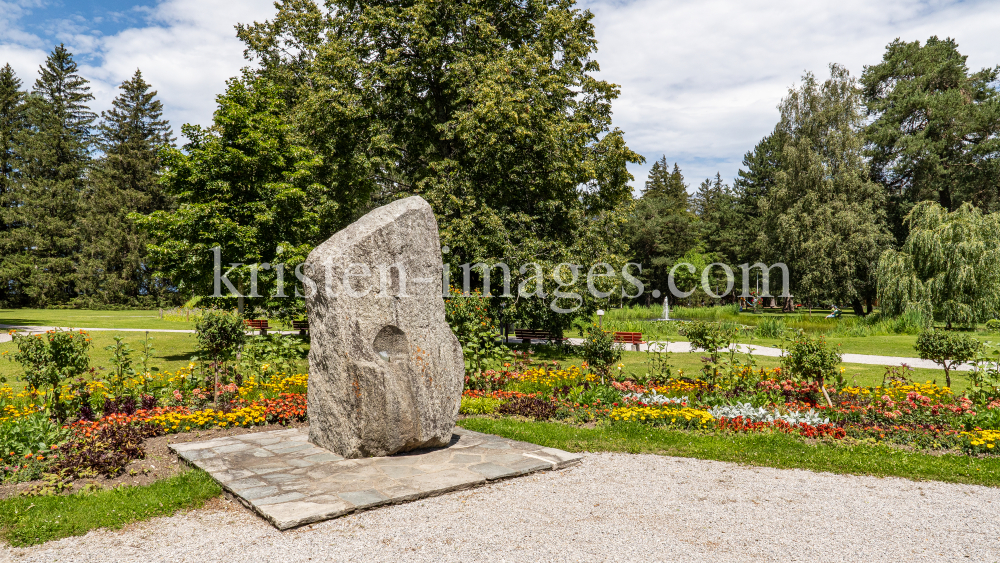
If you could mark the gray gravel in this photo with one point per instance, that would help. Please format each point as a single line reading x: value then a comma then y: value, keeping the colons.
x: 612, y: 507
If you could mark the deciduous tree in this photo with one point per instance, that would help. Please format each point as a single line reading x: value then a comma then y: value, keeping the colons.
x: 824, y: 216
x: 949, y: 267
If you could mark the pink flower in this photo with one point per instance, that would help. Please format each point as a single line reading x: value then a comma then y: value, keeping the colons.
x: 177, y: 395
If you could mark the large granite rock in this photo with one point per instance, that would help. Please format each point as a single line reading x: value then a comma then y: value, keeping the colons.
x: 385, y: 370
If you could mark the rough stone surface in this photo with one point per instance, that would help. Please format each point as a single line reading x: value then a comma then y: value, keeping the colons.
x: 291, y: 482
x: 385, y: 369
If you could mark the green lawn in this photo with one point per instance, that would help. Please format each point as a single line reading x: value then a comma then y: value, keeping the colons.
x: 173, y: 351
x: 777, y: 450
x: 37, y: 519
x: 86, y: 318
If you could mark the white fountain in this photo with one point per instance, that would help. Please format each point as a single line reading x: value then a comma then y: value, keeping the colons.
x: 666, y: 308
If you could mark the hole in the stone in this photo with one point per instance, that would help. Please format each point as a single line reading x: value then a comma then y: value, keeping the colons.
x: 390, y: 343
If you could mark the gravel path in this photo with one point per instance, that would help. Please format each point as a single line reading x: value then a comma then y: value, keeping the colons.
x: 612, y: 507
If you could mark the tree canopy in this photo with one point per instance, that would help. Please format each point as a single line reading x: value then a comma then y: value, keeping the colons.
x: 949, y: 267
x: 935, y: 130
x: 823, y: 216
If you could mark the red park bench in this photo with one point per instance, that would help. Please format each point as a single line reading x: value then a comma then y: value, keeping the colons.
x: 527, y: 335
x: 257, y: 324
x: 633, y: 338
x: 301, y: 326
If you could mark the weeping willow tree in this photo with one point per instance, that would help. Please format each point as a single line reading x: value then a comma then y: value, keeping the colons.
x: 948, y: 269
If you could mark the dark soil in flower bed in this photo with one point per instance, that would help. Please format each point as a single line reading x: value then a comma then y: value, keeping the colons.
x: 159, y: 462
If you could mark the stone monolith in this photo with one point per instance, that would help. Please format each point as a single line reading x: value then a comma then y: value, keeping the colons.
x: 385, y: 370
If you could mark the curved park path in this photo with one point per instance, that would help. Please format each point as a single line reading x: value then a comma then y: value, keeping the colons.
x: 611, y: 507
x: 680, y: 347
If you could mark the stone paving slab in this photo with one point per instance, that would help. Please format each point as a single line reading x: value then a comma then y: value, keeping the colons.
x: 291, y: 482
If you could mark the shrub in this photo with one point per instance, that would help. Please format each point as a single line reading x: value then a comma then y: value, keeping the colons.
x: 479, y: 405
x: 529, y: 407
x: 49, y: 360
x: 710, y: 337
x: 271, y: 354
x: 812, y: 359
x: 599, y: 350
x: 993, y: 325
x: 947, y: 349
x: 219, y: 334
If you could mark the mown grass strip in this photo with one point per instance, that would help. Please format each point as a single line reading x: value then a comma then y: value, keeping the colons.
x: 28, y: 521
x: 767, y: 450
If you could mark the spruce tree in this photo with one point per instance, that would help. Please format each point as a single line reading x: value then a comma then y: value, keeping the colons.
x: 125, y: 180
x: 662, y: 228
x: 753, y: 182
x: 57, y: 155
x: 13, y: 128
x: 13, y: 123
x: 663, y: 183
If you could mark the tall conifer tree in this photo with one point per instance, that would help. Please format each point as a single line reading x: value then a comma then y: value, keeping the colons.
x: 57, y: 155
x: 125, y: 180
x: 13, y: 128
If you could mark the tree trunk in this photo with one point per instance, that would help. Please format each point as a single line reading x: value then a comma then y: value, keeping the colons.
x: 856, y: 305
x: 789, y: 306
x: 869, y: 306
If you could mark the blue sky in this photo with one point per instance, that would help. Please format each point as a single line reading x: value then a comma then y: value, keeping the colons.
x: 700, y: 80
x: 49, y: 20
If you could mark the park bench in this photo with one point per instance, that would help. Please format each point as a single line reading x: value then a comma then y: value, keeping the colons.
x: 301, y: 326
x: 633, y: 338
x: 527, y: 335
x: 257, y: 324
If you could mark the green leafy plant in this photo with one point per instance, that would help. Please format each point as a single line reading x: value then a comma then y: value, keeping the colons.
x: 269, y: 355
x: 470, y: 319
x: 658, y: 368
x: 812, y: 359
x: 121, y: 360
x: 146, y: 361
x: 993, y: 325
x: 49, y: 360
x: 27, y: 436
x: 220, y: 334
x: 600, y: 351
x: 947, y: 349
x: 985, y: 375
x: 479, y: 405
x: 710, y: 337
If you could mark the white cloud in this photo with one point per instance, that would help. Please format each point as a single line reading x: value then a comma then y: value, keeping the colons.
x: 701, y: 80
x: 187, y: 53
x: 187, y: 50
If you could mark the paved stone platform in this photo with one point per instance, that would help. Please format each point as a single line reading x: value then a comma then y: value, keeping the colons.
x: 291, y: 482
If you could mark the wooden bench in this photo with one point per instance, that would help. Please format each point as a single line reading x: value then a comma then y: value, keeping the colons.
x: 633, y: 338
x: 257, y: 324
x: 301, y: 326
x: 527, y: 335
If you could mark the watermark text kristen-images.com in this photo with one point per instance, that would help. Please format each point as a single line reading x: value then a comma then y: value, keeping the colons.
x: 358, y: 280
